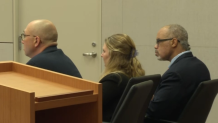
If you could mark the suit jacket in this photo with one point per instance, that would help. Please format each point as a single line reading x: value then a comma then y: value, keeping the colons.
x: 177, y: 85
x: 113, y: 86
x: 55, y: 60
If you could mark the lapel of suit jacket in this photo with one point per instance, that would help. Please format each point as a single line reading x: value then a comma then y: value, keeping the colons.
x: 189, y: 54
x: 179, y: 58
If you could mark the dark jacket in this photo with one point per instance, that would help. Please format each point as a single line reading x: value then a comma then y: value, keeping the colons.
x: 177, y: 85
x: 113, y: 86
x: 55, y: 60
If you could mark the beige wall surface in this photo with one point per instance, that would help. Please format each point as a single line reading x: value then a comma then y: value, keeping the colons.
x: 6, y: 30
x: 6, y: 25
x: 141, y: 19
x: 6, y: 51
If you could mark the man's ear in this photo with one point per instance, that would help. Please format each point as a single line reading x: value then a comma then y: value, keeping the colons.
x: 37, y: 41
x: 174, y: 42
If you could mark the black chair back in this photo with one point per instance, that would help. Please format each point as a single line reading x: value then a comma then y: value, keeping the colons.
x: 133, y: 103
x: 199, y: 105
x: 135, y: 80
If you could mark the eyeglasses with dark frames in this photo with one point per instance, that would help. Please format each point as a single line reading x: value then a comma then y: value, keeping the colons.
x: 162, y: 40
x: 23, y: 36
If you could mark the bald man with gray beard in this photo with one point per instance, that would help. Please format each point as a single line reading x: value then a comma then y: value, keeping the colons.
x: 40, y: 44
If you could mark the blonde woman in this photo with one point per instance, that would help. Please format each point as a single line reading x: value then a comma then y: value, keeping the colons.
x: 119, y: 55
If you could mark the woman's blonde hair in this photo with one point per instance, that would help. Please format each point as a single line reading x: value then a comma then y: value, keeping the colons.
x: 122, y: 59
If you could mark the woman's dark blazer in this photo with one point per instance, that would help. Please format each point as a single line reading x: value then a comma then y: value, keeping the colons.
x: 113, y: 86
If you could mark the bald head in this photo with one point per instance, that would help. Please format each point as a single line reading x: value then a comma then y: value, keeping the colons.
x: 45, y: 29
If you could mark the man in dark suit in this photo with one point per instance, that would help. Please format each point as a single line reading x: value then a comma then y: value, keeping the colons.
x: 40, y: 44
x: 184, y: 74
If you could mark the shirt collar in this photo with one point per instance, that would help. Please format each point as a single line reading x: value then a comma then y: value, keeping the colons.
x: 174, y: 59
